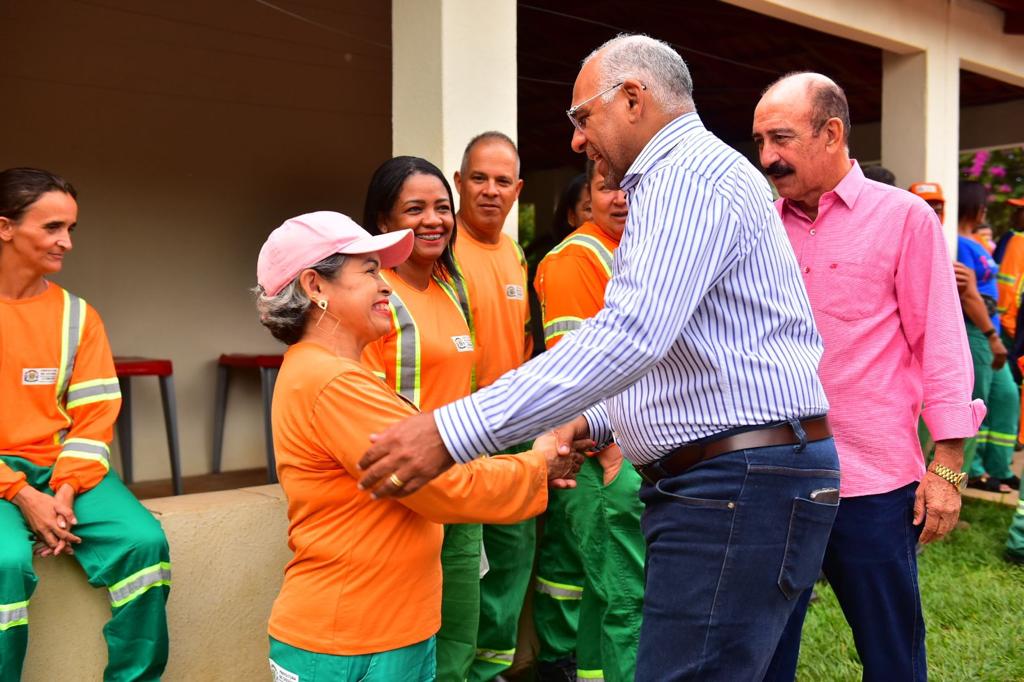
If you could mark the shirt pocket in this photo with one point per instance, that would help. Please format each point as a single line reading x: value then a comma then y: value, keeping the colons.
x: 853, y: 291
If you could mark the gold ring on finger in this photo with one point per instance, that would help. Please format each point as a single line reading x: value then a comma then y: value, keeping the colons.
x: 396, y: 481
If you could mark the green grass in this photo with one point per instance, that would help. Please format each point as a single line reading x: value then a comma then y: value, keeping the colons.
x: 973, y: 609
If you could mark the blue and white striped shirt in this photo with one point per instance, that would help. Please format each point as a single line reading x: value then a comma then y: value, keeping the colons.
x: 706, y: 324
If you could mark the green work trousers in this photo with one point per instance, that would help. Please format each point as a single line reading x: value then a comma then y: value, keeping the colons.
x: 413, y: 663
x: 594, y: 529
x: 559, y: 583
x: 123, y: 550
x: 991, y: 451
x: 460, y: 602
x: 1015, y: 543
x: 606, y: 522
x: 510, y: 550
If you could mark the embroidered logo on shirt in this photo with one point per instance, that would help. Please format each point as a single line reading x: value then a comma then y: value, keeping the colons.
x: 39, y: 376
x: 514, y: 291
x: 282, y: 675
x: 463, y: 344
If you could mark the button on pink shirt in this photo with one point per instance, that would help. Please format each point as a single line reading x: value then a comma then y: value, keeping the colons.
x: 884, y: 297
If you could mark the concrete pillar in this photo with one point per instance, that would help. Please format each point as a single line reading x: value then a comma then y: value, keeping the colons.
x: 453, y: 76
x: 921, y: 120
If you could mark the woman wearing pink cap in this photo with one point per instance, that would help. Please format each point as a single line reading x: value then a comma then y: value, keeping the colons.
x: 361, y: 598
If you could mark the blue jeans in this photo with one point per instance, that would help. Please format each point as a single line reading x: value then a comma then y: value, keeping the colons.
x: 871, y: 564
x: 732, y: 543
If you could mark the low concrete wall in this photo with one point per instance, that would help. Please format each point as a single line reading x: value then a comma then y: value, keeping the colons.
x: 228, y: 551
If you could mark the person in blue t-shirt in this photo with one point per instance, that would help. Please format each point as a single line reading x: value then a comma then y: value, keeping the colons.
x: 987, y: 457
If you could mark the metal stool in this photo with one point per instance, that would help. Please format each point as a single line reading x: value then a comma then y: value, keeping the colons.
x: 268, y: 365
x: 128, y: 367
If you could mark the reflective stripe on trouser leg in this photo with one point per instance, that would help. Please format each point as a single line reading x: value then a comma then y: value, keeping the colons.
x: 1003, y: 401
x: 510, y: 550
x: 17, y: 582
x: 558, y: 587
x: 460, y: 601
x: 124, y: 550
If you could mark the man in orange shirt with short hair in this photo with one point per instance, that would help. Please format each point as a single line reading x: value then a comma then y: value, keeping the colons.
x: 493, y: 265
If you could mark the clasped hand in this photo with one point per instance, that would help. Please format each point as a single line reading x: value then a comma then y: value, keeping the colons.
x: 50, y: 519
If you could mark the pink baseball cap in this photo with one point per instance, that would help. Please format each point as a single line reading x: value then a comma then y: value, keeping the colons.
x: 307, y: 239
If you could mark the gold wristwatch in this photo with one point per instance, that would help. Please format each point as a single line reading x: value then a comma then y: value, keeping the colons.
x: 958, y: 479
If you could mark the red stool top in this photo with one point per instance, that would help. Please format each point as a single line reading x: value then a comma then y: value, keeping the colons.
x: 133, y: 367
x: 256, y: 361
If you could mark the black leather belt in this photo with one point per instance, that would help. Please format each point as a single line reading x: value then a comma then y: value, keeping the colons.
x: 686, y: 456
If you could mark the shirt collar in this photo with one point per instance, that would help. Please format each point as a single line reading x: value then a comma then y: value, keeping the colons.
x: 848, y: 189
x: 664, y: 141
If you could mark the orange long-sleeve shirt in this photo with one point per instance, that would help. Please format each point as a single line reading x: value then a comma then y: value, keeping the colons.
x: 496, y: 277
x: 571, y: 280
x: 366, y: 575
x: 428, y: 356
x: 59, y: 390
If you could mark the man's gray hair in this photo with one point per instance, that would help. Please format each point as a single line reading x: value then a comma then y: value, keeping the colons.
x: 651, y: 61
x: 488, y: 136
x: 285, y: 313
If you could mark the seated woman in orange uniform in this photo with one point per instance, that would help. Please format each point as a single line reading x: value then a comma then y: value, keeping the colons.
x: 361, y: 598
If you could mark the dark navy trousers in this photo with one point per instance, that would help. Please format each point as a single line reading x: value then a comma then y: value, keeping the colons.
x: 871, y: 564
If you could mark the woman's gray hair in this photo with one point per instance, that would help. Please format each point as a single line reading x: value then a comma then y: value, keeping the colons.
x: 285, y: 314
x: 650, y: 60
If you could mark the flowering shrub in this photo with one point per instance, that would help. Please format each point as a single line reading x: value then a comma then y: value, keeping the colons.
x: 1002, y: 173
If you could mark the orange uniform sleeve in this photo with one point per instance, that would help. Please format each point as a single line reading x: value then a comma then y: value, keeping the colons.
x: 11, y: 481
x: 495, y: 490
x: 572, y: 291
x: 92, y: 402
x: 373, y: 359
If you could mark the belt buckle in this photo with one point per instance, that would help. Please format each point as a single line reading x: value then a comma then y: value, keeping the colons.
x: 652, y: 466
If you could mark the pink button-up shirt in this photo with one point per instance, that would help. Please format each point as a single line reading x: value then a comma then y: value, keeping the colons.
x: 884, y: 297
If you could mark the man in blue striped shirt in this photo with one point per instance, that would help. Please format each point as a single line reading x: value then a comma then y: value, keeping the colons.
x: 702, y: 367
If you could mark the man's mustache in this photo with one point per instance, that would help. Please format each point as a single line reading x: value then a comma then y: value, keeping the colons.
x: 778, y: 170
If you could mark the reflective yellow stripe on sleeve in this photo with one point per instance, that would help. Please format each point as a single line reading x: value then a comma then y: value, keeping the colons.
x: 560, y: 326
x: 86, y: 448
x: 94, y: 391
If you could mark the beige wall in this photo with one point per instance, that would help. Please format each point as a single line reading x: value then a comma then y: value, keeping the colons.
x: 454, y: 76
x: 228, y: 552
x: 191, y: 129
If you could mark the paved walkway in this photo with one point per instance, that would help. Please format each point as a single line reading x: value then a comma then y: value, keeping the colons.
x: 1006, y: 498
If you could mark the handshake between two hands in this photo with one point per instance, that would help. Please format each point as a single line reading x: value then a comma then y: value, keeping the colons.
x: 410, y: 453
x: 565, y: 449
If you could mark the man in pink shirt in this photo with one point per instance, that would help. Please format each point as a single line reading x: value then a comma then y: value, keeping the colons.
x: 884, y: 298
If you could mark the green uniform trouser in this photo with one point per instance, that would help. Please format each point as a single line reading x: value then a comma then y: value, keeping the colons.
x: 1015, y: 543
x: 606, y: 522
x: 460, y: 601
x: 413, y: 663
x: 510, y: 549
x: 560, y: 581
x: 123, y: 549
x: 596, y: 530
x: 991, y: 451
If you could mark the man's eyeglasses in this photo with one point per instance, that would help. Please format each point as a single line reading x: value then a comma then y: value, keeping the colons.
x: 572, y: 111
